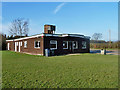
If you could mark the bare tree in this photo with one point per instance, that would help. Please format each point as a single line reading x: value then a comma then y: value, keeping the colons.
x: 97, y: 36
x: 19, y: 27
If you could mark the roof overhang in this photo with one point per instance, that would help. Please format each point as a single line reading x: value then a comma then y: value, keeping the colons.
x: 26, y: 37
x: 55, y: 35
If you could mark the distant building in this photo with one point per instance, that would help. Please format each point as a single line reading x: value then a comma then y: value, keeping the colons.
x: 51, y: 43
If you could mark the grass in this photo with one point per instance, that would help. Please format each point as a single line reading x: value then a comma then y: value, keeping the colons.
x: 76, y: 71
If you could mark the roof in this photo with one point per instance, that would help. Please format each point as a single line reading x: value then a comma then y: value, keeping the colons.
x: 55, y: 35
x: 49, y: 25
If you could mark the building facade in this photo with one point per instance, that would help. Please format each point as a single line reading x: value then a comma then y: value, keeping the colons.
x: 51, y: 43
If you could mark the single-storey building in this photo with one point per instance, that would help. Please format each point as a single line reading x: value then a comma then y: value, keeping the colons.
x: 49, y: 43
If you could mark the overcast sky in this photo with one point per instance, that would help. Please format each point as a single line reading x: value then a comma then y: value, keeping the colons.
x: 76, y: 17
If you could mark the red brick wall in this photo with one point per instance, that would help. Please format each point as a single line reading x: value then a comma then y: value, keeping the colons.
x: 11, y: 45
x: 30, y: 46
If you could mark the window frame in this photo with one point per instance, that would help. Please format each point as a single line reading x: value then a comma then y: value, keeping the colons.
x: 76, y: 44
x: 21, y: 43
x: 38, y: 45
x: 55, y: 43
x: 25, y: 44
x: 67, y: 44
x: 8, y: 46
x: 82, y: 45
x: 16, y: 43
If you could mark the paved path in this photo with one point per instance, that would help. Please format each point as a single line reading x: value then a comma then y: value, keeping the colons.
x: 111, y: 52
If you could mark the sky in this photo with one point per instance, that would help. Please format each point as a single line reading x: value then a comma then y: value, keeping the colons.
x: 84, y: 18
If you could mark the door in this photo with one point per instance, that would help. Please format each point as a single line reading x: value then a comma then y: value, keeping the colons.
x: 8, y: 46
x: 19, y: 46
x: 70, y: 46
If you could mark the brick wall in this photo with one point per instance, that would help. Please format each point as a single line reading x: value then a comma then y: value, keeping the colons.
x: 30, y: 46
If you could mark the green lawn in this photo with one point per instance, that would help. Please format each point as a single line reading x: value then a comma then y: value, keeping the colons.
x: 76, y: 71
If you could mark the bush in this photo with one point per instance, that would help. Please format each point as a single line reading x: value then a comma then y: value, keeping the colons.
x: 113, y: 45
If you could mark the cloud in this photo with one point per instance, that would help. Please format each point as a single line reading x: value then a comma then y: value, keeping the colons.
x: 58, y: 7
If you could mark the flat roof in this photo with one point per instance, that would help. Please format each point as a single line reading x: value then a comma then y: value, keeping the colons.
x: 55, y: 35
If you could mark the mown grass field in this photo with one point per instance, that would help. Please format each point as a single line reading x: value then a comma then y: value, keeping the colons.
x: 76, y: 71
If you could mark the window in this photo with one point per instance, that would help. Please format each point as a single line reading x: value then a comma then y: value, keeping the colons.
x: 17, y: 43
x: 20, y: 43
x: 25, y: 44
x: 84, y: 46
x: 53, y: 44
x: 75, y: 45
x: 37, y: 44
x: 65, y: 44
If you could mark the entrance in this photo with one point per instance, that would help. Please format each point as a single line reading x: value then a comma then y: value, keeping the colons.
x: 70, y: 47
x: 18, y: 46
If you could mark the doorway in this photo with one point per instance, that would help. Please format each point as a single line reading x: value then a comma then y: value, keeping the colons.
x: 70, y: 46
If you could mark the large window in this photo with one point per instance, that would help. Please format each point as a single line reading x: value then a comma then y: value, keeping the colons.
x: 65, y: 44
x: 84, y: 45
x: 25, y: 44
x: 75, y: 45
x: 53, y: 44
x: 37, y: 44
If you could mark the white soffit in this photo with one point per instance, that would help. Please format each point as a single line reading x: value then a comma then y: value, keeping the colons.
x: 26, y: 38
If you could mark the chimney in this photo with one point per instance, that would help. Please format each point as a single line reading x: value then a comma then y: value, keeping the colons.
x: 49, y: 29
